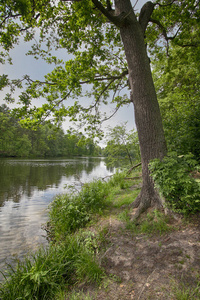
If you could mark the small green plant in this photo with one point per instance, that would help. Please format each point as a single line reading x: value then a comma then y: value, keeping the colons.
x: 154, y: 223
x: 172, y: 177
x: 183, y: 292
x: 117, y: 179
x: 124, y: 215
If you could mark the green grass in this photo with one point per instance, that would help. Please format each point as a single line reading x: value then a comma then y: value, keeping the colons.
x: 185, y: 292
x: 42, y: 275
x: 154, y: 223
x: 125, y: 197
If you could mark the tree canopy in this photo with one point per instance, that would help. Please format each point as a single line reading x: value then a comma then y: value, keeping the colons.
x: 97, y: 53
x: 108, y: 46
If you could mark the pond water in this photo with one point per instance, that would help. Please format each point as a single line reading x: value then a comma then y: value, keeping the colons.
x: 27, y: 187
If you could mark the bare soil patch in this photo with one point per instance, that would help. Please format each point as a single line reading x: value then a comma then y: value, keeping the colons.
x: 149, y: 267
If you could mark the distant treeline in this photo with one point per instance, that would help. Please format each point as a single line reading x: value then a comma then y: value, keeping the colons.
x: 46, y: 141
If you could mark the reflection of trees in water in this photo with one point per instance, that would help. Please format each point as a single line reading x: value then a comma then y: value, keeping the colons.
x: 111, y: 164
x: 23, y: 177
x: 116, y: 163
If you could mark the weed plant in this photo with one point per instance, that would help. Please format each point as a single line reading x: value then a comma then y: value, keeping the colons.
x: 173, y: 179
x: 70, y: 212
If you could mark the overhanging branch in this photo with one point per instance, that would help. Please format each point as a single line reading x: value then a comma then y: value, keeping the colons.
x: 119, y: 20
x: 164, y: 32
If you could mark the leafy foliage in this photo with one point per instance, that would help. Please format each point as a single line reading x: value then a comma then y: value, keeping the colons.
x: 46, y: 141
x: 172, y: 177
x: 176, y: 74
x: 122, y: 145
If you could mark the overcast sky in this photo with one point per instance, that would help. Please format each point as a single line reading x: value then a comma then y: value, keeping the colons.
x: 23, y: 64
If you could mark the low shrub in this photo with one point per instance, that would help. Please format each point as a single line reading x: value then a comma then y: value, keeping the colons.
x: 172, y: 177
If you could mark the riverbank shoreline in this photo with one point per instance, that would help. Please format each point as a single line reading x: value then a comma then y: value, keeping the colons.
x: 103, y: 255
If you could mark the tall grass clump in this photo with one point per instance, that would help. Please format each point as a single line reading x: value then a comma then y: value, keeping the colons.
x: 44, y: 274
x: 70, y: 212
x: 38, y: 276
x: 172, y: 177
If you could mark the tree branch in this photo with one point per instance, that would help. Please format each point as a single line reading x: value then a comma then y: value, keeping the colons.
x: 108, y: 118
x: 164, y: 32
x: 55, y: 105
x: 106, y: 12
x: 188, y: 45
x: 109, y: 6
x: 124, y: 73
x: 109, y: 14
x: 97, y: 78
x: 145, y: 15
x: 133, y: 167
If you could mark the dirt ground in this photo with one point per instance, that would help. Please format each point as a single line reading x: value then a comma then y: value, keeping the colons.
x: 151, y: 267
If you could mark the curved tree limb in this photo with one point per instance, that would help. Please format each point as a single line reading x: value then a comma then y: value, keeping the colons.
x: 145, y: 14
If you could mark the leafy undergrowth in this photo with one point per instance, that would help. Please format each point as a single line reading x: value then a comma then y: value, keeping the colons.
x: 96, y: 252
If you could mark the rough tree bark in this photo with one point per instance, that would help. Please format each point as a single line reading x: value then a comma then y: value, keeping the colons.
x: 147, y: 113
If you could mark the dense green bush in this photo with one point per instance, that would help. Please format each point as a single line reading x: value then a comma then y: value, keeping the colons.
x: 172, y: 177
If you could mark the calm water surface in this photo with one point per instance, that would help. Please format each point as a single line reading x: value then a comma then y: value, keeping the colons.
x: 27, y: 187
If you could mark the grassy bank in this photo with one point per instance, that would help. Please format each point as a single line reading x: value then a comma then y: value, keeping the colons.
x: 97, y: 252
x: 71, y: 256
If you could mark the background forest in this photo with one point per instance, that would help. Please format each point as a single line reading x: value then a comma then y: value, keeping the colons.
x: 46, y: 141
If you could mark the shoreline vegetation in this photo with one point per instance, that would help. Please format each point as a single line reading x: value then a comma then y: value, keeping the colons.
x: 95, y: 251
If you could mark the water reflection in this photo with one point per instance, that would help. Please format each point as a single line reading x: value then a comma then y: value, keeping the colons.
x: 26, y: 189
x: 21, y: 177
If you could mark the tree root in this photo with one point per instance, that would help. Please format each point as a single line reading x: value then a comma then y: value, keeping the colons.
x: 145, y: 200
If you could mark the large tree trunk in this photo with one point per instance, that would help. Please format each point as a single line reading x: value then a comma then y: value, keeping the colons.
x: 147, y: 113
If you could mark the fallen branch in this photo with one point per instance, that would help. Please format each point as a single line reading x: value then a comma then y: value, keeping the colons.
x: 133, y: 167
